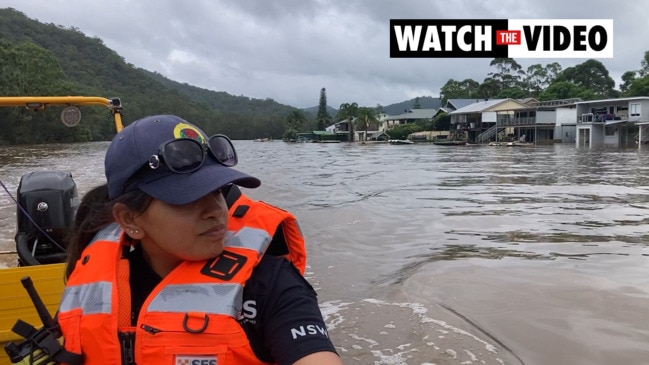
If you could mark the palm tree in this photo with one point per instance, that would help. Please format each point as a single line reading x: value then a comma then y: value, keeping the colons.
x: 348, y: 111
x: 366, y: 116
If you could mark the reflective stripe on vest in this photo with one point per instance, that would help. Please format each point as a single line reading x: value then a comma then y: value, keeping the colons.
x: 91, y: 298
x: 108, y: 233
x: 207, y: 298
x: 251, y: 238
x: 225, y: 299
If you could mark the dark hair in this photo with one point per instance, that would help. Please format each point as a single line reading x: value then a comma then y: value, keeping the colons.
x: 94, y: 213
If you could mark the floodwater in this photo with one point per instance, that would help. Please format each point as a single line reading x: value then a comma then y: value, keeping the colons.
x: 427, y: 254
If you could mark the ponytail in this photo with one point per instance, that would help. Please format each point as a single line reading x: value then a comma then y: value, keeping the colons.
x: 94, y: 213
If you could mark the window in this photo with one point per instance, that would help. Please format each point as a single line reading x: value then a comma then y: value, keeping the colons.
x: 610, y: 131
x: 635, y: 110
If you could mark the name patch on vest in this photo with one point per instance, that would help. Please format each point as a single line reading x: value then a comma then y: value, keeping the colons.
x: 196, y: 360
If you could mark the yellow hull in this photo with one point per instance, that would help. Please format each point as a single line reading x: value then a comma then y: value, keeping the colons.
x: 48, y: 279
x: 15, y: 302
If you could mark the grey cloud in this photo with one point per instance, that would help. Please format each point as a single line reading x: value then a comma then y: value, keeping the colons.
x: 288, y: 50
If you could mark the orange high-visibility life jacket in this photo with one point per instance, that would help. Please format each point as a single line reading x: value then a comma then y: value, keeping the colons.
x: 191, y: 315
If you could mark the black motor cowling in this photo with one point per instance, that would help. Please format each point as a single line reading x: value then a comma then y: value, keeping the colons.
x: 49, y: 200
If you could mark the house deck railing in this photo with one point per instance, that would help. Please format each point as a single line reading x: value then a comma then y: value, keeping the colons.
x: 511, y: 122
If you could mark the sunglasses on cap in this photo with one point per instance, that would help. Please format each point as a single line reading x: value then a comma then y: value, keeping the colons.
x: 186, y: 155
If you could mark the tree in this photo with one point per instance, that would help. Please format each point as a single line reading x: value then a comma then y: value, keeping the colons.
x: 441, y: 122
x: 489, y: 88
x: 416, y: 104
x: 294, y: 122
x: 552, y: 70
x: 323, y: 118
x: 365, y: 117
x: 509, y: 72
x: 515, y: 92
x: 466, y: 89
x: 627, y: 80
x: 348, y: 111
x: 592, y: 75
x: 90, y: 68
x: 402, y: 131
x: 539, y: 77
x: 639, y: 87
x: 566, y: 90
x: 644, y: 65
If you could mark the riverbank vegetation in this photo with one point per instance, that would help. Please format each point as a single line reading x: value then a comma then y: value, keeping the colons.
x: 47, y: 59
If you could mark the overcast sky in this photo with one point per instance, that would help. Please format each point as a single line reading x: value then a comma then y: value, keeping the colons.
x: 288, y: 50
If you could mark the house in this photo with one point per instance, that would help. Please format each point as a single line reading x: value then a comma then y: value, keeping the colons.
x: 346, y: 131
x: 548, y: 121
x: 484, y: 120
x: 524, y: 120
x: 378, y: 137
x: 408, y: 116
x: 455, y: 104
x: 429, y: 136
x: 620, y: 122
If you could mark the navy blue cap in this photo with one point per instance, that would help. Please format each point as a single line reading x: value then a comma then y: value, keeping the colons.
x: 132, y: 147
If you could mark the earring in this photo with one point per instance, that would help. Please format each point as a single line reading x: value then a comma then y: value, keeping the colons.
x: 133, y: 231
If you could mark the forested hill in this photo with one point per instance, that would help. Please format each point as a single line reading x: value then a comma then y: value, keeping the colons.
x: 47, y: 59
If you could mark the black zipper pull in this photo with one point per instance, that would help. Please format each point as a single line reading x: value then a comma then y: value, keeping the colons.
x: 151, y: 330
x: 127, y: 343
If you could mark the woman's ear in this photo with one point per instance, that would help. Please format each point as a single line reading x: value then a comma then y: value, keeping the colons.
x: 126, y: 219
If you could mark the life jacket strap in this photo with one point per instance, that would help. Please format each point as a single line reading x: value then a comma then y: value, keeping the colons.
x: 124, y: 294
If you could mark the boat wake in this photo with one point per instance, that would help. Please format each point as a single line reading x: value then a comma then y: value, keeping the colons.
x: 374, y: 331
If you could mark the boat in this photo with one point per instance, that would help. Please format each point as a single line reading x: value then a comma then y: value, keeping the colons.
x: 400, y: 141
x: 450, y: 143
x: 519, y: 144
x: 46, y: 205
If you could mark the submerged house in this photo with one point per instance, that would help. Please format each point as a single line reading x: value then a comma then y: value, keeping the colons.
x: 408, y: 116
x: 482, y: 121
x: 552, y: 120
x: 348, y: 131
x: 526, y: 120
x: 621, y: 122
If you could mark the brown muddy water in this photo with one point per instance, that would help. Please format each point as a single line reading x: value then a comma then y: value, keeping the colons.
x: 425, y: 254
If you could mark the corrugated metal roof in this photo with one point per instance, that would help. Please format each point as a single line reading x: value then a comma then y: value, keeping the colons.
x: 378, y: 134
x: 414, y: 114
x: 460, y: 103
x: 630, y: 98
x: 478, y: 107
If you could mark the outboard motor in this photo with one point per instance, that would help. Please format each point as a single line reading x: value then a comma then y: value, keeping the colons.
x: 49, y: 200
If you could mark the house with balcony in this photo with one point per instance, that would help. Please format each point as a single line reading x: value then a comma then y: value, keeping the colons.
x: 554, y: 120
x: 621, y: 122
x: 486, y: 120
x: 346, y: 131
x: 408, y: 116
x: 524, y: 120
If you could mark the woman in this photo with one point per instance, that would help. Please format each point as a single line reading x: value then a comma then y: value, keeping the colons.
x: 155, y: 275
